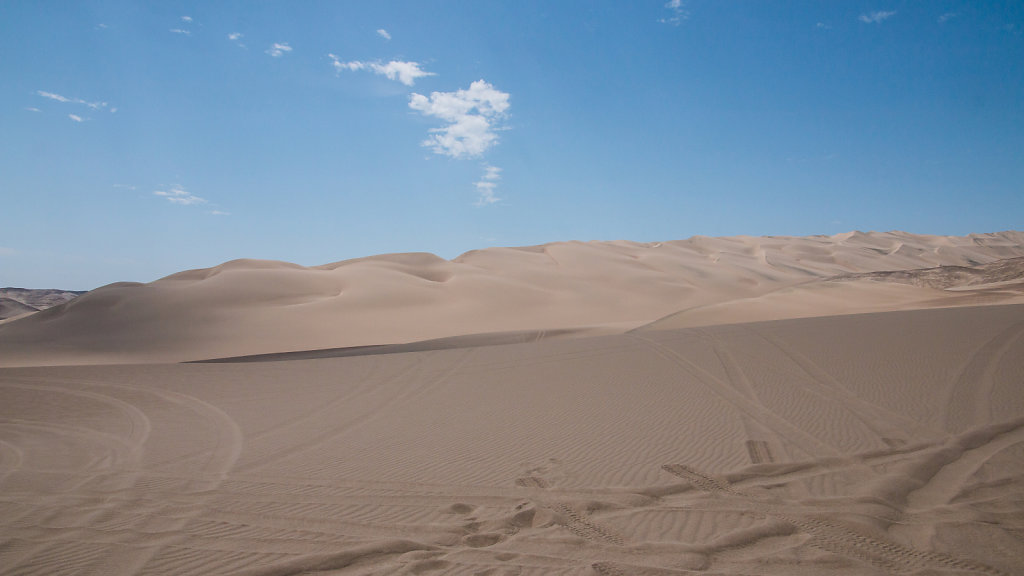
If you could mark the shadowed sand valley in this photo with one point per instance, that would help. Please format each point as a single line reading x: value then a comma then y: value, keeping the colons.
x: 842, y: 405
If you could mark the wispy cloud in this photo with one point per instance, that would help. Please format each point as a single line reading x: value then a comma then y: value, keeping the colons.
x: 471, y: 116
x: 186, y: 18
x: 487, y: 185
x: 76, y: 117
x: 32, y: 109
x: 181, y: 31
x: 947, y: 17
x: 178, y: 195
x: 66, y: 100
x: 383, y: 34
x: 678, y: 13
x: 876, y: 17
x: 279, y: 49
x: 822, y: 26
x: 405, y: 72
x: 219, y: 213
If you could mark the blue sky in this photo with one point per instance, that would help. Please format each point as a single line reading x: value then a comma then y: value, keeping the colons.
x: 140, y: 139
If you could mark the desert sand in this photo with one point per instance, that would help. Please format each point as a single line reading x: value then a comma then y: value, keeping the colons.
x: 826, y: 405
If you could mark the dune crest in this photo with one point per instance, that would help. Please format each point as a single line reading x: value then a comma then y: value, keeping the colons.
x: 246, y: 307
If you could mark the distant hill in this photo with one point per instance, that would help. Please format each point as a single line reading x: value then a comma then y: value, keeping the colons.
x: 18, y: 301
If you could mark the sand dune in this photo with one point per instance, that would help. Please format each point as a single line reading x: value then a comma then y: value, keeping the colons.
x: 574, y: 408
x: 886, y: 443
x: 248, y: 307
x: 17, y: 301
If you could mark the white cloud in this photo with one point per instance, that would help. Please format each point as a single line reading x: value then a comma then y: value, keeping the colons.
x: 279, y: 49
x: 234, y: 36
x: 383, y: 34
x: 182, y: 32
x: 66, y: 100
x: 471, y: 115
x: 219, y: 213
x: 678, y: 13
x: 947, y: 17
x: 32, y: 109
x: 186, y: 18
x: 822, y: 26
x: 75, y: 117
x: 487, y: 185
x: 404, y: 72
x: 876, y: 17
x: 178, y: 195
x: 53, y: 96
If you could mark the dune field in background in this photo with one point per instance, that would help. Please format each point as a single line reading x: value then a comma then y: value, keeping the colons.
x: 850, y: 404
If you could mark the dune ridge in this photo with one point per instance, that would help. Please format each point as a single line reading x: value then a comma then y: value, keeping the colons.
x: 249, y: 307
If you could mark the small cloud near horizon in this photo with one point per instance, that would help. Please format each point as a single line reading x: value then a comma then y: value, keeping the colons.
x: 487, y: 185
x: 383, y: 34
x: 876, y: 17
x: 279, y: 49
x: 178, y: 195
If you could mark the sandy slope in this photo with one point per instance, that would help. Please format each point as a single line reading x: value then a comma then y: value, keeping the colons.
x: 252, y: 307
x: 888, y: 443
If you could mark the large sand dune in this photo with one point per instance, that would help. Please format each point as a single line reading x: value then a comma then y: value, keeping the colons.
x: 887, y: 443
x: 578, y: 409
x: 249, y: 307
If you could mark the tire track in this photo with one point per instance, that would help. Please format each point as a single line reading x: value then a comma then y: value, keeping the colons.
x: 140, y: 426
x: 315, y: 442
x: 755, y: 411
x: 834, y: 536
x: 759, y: 452
x: 866, y: 412
x: 580, y: 524
x: 968, y: 399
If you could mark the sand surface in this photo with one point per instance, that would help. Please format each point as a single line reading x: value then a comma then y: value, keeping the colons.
x: 889, y: 442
